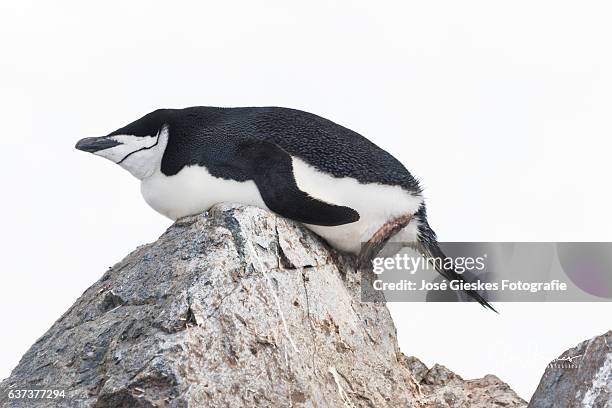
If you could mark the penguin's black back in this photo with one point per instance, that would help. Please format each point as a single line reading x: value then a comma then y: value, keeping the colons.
x: 201, y: 135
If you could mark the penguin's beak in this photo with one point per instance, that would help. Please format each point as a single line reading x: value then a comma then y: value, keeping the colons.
x: 94, y: 144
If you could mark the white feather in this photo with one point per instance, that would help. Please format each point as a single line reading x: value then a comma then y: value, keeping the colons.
x: 194, y: 189
x: 140, y: 155
x: 375, y: 203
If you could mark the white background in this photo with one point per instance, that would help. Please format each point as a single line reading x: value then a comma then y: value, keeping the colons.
x: 502, y: 109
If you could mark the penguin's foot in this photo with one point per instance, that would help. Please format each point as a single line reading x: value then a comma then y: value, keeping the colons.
x: 371, y: 248
x: 346, y: 262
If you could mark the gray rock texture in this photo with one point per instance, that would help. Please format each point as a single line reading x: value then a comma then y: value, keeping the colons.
x: 440, y: 388
x: 579, y: 378
x: 235, y: 307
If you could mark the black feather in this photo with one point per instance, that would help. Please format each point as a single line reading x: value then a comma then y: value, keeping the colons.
x: 210, y: 137
x: 428, y: 245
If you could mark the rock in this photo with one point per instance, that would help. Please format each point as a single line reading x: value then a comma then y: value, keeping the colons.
x: 441, y: 388
x: 234, y: 307
x: 416, y: 367
x: 580, y: 377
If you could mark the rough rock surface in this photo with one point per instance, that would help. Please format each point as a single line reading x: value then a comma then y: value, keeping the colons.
x: 580, y: 377
x: 440, y: 387
x: 234, y: 307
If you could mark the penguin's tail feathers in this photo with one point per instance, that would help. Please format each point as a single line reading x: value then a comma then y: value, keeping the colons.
x: 427, y: 245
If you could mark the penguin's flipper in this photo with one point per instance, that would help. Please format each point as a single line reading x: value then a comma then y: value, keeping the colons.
x: 272, y: 171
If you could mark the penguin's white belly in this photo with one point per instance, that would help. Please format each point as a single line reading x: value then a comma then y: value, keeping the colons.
x: 375, y: 203
x: 193, y: 190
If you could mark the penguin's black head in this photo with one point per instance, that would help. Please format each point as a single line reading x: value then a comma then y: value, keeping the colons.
x: 137, y: 147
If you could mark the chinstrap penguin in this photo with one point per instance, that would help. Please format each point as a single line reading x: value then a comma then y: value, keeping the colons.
x: 296, y: 164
